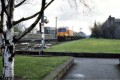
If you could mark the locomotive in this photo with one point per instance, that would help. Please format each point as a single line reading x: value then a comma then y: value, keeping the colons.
x: 65, y: 34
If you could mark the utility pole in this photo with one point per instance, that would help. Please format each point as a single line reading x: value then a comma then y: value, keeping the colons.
x: 72, y: 31
x: 56, y: 27
x: 72, y: 28
x: 80, y: 29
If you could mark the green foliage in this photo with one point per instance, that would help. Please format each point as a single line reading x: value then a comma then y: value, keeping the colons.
x: 88, y: 45
x: 34, y: 68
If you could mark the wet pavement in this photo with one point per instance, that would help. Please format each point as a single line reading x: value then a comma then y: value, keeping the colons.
x: 94, y: 69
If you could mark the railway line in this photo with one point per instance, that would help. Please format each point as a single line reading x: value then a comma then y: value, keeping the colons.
x: 37, y: 40
x: 30, y: 44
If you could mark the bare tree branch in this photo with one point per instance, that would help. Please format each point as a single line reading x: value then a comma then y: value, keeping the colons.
x: 4, y: 7
x: 35, y: 22
x: 19, y: 4
x: 70, y: 3
x: 24, y: 19
x: 2, y: 19
x: 85, y: 4
x: 49, y: 4
x: 10, y: 11
x: 30, y: 17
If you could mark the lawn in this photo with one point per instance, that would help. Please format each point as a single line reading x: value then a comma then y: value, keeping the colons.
x: 34, y: 68
x: 88, y: 45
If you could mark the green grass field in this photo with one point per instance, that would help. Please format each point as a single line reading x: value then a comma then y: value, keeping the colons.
x: 34, y: 68
x: 88, y: 45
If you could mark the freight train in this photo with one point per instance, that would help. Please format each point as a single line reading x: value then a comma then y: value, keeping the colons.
x: 65, y: 34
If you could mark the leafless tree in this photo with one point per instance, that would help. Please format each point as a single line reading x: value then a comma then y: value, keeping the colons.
x: 86, y: 4
x: 7, y: 39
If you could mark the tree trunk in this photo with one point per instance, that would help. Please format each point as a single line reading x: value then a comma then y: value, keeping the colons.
x: 8, y: 57
x: 8, y: 46
x: 6, y: 41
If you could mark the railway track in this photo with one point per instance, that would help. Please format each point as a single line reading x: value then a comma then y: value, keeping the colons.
x: 36, y: 40
x: 36, y: 44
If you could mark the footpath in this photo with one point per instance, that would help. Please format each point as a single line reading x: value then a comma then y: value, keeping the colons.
x: 94, y: 69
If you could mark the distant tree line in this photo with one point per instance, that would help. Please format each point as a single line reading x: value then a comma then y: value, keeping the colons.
x: 96, y: 30
x: 104, y: 31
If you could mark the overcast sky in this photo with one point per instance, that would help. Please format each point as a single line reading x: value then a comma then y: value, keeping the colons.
x: 69, y: 16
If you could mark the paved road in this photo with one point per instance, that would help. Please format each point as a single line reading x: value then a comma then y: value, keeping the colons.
x: 94, y: 69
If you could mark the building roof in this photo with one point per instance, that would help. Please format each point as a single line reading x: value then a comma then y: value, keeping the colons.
x: 117, y: 20
x: 113, y: 19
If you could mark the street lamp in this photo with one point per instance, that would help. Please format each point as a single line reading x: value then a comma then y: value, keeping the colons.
x: 46, y: 20
x: 43, y: 20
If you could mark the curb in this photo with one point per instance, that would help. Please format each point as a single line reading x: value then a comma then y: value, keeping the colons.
x: 86, y: 55
x: 73, y: 54
x: 57, y: 73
